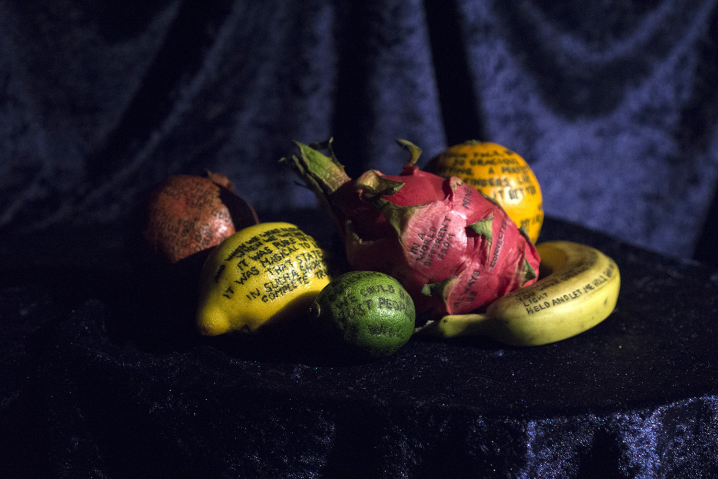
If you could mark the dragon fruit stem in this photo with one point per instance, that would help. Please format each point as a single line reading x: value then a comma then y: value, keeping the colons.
x: 321, y: 174
x: 318, y: 170
x: 413, y: 150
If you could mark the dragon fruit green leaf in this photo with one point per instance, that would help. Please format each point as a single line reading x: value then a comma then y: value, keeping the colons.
x: 484, y: 228
x: 376, y: 185
x: 529, y: 273
x: 438, y: 289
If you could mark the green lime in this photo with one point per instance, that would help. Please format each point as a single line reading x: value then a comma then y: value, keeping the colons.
x: 364, y: 313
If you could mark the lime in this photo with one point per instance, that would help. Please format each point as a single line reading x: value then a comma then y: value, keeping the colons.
x: 364, y: 313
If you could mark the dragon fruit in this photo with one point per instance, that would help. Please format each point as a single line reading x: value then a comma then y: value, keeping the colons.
x: 453, y: 249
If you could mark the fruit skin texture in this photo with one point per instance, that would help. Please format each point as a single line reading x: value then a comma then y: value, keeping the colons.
x: 364, y: 314
x: 451, y: 248
x: 187, y: 214
x: 169, y: 234
x: 579, y: 290
x: 261, y: 275
x: 498, y: 173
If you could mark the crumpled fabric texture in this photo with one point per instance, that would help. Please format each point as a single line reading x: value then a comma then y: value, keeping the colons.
x: 98, y: 379
x: 613, y: 104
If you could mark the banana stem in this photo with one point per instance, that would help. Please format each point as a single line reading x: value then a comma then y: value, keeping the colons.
x: 453, y: 325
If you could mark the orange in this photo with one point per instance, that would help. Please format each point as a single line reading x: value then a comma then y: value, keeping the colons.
x: 498, y: 173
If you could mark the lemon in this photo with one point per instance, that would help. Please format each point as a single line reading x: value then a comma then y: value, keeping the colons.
x: 500, y: 174
x: 261, y: 274
x: 364, y: 313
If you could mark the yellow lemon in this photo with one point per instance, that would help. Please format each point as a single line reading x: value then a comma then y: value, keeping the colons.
x: 261, y: 274
x: 500, y: 174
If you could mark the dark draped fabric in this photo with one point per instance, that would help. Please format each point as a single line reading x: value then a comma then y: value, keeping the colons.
x: 614, y: 104
x: 98, y: 383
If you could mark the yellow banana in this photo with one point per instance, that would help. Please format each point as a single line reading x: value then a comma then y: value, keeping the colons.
x: 578, y: 290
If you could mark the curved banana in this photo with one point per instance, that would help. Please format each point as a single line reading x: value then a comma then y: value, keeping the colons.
x: 578, y: 288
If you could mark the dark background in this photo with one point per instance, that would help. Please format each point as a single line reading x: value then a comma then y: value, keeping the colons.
x: 613, y: 103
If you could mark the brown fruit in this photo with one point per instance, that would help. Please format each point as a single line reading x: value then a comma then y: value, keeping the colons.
x: 168, y: 236
x: 188, y: 214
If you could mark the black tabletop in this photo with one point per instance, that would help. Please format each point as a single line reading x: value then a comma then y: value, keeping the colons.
x: 98, y: 369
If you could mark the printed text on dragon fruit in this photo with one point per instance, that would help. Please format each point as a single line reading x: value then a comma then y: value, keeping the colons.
x: 499, y: 243
x: 440, y: 246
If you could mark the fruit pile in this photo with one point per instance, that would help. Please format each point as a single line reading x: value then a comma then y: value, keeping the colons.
x: 444, y: 253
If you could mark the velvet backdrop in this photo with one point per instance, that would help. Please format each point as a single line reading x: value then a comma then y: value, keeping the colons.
x: 614, y: 105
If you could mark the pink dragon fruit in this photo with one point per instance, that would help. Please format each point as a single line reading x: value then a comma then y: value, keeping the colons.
x: 453, y: 249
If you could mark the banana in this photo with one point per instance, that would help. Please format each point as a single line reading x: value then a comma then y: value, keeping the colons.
x: 578, y: 288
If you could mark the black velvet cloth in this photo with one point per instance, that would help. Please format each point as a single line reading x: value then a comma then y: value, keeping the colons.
x: 614, y: 105
x: 101, y: 379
